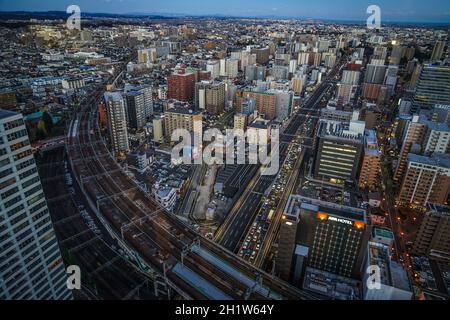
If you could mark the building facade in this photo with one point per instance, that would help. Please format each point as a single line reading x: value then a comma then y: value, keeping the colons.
x: 31, y: 267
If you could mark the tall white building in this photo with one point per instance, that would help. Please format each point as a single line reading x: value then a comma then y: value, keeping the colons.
x: 213, y: 66
x: 31, y: 267
x: 117, y: 122
x: 232, y: 68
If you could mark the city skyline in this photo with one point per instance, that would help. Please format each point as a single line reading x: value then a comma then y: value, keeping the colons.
x: 434, y: 11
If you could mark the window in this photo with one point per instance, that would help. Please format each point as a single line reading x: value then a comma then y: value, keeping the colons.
x: 22, y: 155
x: 7, y: 183
x: 25, y: 164
x: 13, y: 201
x: 9, y: 193
x: 6, y: 172
x: 30, y: 182
x: 27, y: 173
x: 16, y: 135
x: 19, y: 145
x: 33, y: 190
x: 13, y: 124
x: 4, y: 162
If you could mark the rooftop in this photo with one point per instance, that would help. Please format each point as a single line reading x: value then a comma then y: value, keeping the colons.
x: 437, y: 160
x: 6, y: 113
x: 297, y: 202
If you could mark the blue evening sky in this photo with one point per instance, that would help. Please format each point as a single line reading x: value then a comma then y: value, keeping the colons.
x: 392, y: 10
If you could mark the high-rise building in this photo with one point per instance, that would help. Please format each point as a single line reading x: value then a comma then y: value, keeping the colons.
x: 240, y: 121
x: 210, y: 96
x: 375, y: 74
x: 432, y: 87
x: 135, y: 106
x: 345, y: 93
x: 437, y: 138
x: 412, y: 141
x: 180, y: 118
x: 181, y: 86
x: 427, y: 180
x: 117, y: 122
x: 265, y: 103
x: 321, y: 235
x: 371, y: 163
x: 158, y: 131
x: 438, y: 51
x: 339, y: 147
x: 232, y: 68
x: 213, y: 66
x: 31, y: 267
x: 262, y: 55
x: 297, y: 85
x: 433, y: 238
x: 303, y: 58
x: 393, y: 279
x: 350, y: 77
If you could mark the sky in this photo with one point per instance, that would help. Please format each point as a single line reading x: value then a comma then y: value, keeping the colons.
x: 391, y: 10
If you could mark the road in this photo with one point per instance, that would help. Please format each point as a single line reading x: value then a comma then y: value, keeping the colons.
x: 238, y: 223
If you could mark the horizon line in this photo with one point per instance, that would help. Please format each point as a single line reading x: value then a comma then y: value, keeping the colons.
x: 268, y: 17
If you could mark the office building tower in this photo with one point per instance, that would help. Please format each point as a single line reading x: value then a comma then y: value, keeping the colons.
x: 117, y: 122
x: 380, y: 52
x: 321, y: 235
x: 280, y: 72
x: 345, y: 93
x: 213, y: 66
x: 262, y: 55
x: 314, y: 59
x: 254, y: 73
x: 432, y: 87
x: 350, y: 77
x: 427, y: 180
x: 397, y: 54
x: 438, y: 51
x: 240, y: 121
x: 181, y: 86
x: 158, y: 129
x: 433, y: 238
x: 180, y: 118
x: 223, y: 67
x: 283, y: 103
x: 303, y: 58
x: 393, y: 279
x: 147, y: 56
x: 147, y: 91
x: 412, y: 141
x: 210, y: 96
x: 339, y: 147
x: 247, y: 59
x: 293, y: 64
x: 31, y: 267
x: 297, y: 85
x: 232, y: 68
x: 375, y: 74
x: 135, y: 107
x: 437, y: 138
x: 265, y: 103
x: 371, y: 163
